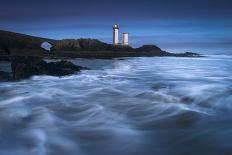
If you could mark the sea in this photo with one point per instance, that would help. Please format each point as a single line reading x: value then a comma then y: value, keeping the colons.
x: 127, y: 106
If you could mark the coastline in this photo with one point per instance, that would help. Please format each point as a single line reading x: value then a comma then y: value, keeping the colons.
x: 27, y: 56
x: 93, y: 54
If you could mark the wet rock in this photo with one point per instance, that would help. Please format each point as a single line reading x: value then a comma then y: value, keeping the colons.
x: 24, y: 67
x: 160, y: 86
x: 187, y: 100
x: 5, y: 76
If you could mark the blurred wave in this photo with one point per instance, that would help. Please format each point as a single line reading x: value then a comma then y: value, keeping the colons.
x: 123, y: 106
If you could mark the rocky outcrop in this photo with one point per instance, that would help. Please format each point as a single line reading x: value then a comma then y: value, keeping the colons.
x: 189, y: 54
x: 149, y: 48
x: 24, y: 67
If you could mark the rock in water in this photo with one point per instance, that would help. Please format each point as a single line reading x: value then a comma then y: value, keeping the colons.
x: 61, y: 68
x: 24, y: 67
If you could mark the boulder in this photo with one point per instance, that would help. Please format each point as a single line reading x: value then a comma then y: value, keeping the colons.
x: 25, y: 67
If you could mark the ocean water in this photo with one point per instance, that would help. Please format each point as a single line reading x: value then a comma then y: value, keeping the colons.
x: 131, y: 106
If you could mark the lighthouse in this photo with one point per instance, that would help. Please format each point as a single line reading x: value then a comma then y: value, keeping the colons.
x: 115, y: 34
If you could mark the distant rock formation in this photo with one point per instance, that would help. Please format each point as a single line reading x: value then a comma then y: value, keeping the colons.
x: 148, y: 48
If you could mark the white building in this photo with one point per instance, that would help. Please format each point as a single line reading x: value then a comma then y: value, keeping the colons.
x: 125, y: 39
x: 125, y: 36
x: 115, y: 34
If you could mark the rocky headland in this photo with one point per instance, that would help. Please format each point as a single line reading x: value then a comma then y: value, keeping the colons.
x: 20, y: 44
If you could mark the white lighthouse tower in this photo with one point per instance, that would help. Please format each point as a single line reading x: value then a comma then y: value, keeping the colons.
x: 115, y: 34
x: 125, y: 39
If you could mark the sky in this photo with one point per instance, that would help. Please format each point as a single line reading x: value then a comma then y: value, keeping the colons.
x: 203, y: 26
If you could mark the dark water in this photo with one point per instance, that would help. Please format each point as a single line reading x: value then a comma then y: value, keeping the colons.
x: 137, y: 106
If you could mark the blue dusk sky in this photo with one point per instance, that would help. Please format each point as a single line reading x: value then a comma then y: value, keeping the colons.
x: 203, y: 26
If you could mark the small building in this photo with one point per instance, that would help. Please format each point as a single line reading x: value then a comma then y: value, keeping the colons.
x: 125, y: 39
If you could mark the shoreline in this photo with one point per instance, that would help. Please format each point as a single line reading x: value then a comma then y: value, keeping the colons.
x: 96, y: 55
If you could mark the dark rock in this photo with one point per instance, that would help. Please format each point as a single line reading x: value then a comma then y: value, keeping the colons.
x: 186, y: 54
x: 149, y: 48
x: 5, y: 48
x: 24, y: 67
x: 60, y: 68
x: 5, y: 76
x: 191, y: 54
x: 4, y: 58
x: 187, y: 100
